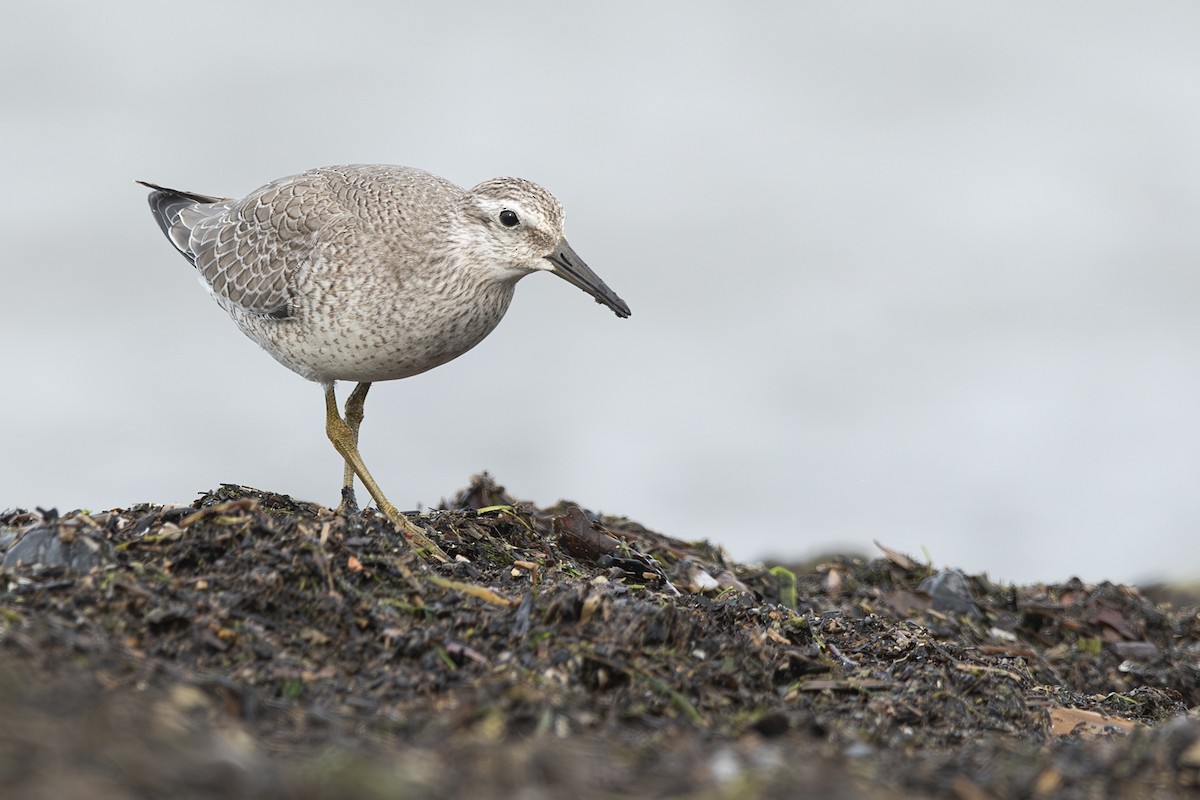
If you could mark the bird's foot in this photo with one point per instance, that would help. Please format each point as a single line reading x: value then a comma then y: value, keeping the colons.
x: 349, y: 506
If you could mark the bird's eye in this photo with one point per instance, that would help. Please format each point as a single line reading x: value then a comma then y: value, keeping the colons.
x: 509, y: 219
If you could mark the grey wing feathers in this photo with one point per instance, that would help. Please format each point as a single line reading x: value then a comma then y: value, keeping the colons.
x: 247, y: 251
x: 167, y: 203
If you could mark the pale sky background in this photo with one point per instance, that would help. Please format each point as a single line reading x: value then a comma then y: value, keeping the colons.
x: 925, y: 272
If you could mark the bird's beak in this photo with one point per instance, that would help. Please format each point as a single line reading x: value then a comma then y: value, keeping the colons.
x: 570, y: 267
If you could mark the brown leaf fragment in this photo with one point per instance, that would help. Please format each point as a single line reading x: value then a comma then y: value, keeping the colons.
x: 1118, y: 622
x: 580, y: 538
x: 896, y: 557
x: 1065, y: 721
x: 727, y: 580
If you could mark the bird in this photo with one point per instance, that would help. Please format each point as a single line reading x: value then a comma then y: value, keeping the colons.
x: 371, y: 272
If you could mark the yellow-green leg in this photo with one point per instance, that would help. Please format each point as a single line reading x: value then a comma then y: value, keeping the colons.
x: 344, y: 435
x: 354, y: 418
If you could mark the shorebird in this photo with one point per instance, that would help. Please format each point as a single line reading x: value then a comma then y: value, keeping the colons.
x: 371, y: 273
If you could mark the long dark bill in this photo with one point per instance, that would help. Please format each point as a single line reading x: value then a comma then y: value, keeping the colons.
x: 570, y: 267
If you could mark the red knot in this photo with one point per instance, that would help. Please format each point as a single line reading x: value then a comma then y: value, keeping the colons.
x: 371, y: 273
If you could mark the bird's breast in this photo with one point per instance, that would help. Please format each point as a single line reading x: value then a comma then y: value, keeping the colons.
x: 374, y: 330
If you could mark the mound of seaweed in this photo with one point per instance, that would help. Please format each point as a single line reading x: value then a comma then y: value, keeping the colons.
x: 250, y: 645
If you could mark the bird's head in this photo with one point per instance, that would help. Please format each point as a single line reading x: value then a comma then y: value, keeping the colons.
x: 520, y: 227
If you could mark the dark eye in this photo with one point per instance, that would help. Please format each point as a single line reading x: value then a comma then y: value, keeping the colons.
x: 508, y: 219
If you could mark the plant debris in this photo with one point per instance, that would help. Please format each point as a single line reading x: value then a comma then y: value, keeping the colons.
x: 254, y: 646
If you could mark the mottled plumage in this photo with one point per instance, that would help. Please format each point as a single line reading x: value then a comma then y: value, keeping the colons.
x: 370, y: 272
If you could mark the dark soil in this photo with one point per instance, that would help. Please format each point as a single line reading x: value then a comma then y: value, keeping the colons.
x: 254, y: 646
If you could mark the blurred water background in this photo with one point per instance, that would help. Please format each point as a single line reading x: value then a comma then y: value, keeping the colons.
x: 918, y: 272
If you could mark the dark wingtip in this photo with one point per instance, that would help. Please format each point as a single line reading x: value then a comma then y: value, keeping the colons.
x: 192, y: 196
x: 166, y: 203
